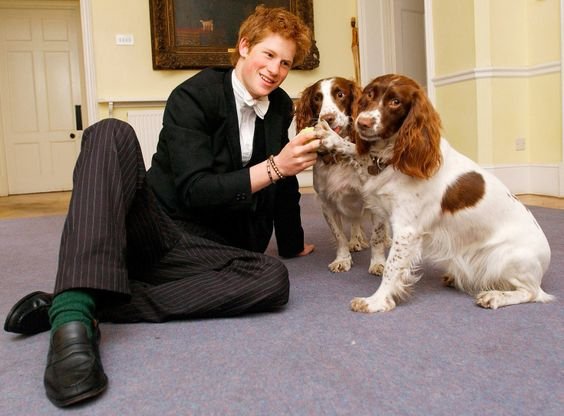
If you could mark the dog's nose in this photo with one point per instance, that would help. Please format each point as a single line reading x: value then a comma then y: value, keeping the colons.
x: 329, y: 118
x: 364, y: 122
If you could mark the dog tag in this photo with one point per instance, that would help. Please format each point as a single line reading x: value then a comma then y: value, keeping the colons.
x: 374, y: 170
x: 376, y: 167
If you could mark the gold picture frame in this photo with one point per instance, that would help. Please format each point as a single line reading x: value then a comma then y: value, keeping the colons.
x: 190, y: 34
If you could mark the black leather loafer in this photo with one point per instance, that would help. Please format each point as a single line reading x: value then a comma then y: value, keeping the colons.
x: 74, y: 371
x: 30, y: 315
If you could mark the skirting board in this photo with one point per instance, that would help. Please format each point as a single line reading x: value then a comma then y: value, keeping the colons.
x: 531, y: 179
x: 520, y: 179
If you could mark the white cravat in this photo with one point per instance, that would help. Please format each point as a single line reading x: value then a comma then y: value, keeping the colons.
x: 248, y: 109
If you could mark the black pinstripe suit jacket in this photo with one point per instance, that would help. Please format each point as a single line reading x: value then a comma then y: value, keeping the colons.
x: 197, y: 174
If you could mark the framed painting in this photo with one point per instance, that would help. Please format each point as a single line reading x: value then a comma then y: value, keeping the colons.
x: 189, y: 34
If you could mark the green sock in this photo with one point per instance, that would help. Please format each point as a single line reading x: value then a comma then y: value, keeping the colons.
x: 70, y: 306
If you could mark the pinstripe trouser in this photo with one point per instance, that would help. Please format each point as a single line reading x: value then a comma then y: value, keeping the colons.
x: 141, y: 265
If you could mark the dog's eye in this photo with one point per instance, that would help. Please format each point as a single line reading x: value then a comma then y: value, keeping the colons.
x: 394, y: 102
x: 370, y: 94
x: 340, y: 94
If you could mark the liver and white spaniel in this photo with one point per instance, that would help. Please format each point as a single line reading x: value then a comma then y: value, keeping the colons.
x: 442, y: 206
x: 335, y: 179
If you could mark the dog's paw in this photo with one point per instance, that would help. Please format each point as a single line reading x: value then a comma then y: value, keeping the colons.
x: 491, y: 299
x: 368, y: 305
x: 340, y: 265
x: 358, y: 244
x: 329, y: 138
x: 359, y: 305
x: 330, y: 141
x: 376, y: 269
x: 448, y: 280
x: 322, y: 128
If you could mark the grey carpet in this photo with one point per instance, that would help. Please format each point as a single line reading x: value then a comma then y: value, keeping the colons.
x: 437, y: 354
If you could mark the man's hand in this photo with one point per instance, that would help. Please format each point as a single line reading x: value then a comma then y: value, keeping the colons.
x: 299, y: 154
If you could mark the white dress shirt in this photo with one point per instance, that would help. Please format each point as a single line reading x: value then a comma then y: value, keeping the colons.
x: 248, y: 109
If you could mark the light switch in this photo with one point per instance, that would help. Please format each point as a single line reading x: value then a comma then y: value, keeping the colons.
x: 124, y: 39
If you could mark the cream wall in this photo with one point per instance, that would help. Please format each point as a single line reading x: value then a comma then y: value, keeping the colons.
x: 497, y: 78
x: 453, y: 28
x: 126, y: 73
x: 460, y: 116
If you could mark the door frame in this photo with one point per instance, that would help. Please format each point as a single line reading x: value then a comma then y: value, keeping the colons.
x: 384, y: 41
x: 561, y: 166
x: 89, y: 64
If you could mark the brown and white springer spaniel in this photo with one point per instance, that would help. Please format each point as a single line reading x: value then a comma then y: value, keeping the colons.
x: 335, y: 179
x: 442, y: 206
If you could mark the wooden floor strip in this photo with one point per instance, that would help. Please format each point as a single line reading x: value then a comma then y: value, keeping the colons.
x: 56, y: 203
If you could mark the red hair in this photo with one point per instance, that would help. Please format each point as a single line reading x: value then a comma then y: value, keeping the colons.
x: 278, y: 21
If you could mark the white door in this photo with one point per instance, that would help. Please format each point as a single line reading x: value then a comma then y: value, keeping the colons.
x: 392, y: 38
x: 40, y: 97
x: 409, y: 39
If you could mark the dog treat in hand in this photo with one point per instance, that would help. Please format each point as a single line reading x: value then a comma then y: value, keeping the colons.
x: 307, y: 130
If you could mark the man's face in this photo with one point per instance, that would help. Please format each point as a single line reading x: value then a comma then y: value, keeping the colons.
x: 263, y: 67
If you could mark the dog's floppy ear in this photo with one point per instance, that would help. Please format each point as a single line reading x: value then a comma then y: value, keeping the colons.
x: 355, y: 92
x: 362, y: 146
x: 417, y: 149
x: 304, y: 108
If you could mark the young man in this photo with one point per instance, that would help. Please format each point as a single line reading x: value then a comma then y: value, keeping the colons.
x: 187, y: 239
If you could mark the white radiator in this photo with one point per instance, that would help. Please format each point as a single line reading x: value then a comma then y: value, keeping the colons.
x: 147, y: 125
